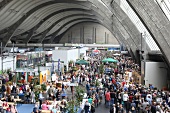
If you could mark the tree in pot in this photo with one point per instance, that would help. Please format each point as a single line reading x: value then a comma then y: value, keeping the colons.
x: 74, y: 104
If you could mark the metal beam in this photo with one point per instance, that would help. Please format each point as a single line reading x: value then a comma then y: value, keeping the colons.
x: 62, y: 45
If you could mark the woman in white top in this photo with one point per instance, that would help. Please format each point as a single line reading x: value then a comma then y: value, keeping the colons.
x: 32, y: 97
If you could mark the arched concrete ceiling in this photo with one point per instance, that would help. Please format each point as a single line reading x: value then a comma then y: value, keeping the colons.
x: 12, y: 29
x: 22, y: 18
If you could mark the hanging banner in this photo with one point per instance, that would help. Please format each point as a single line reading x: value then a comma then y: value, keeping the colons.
x: 58, y: 65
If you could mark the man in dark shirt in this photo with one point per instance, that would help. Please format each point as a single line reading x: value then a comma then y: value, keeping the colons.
x: 10, y: 76
x: 113, y: 97
x: 153, y: 107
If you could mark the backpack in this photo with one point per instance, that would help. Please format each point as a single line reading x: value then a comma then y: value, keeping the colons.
x: 111, y: 110
x: 133, y: 108
x: 92, y: 108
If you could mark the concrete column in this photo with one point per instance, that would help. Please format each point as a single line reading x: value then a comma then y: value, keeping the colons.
x: 95, y: 35
x: 71, y: 36
x: 105, y: 38
x: 83, y: 35
x: 155, y: 21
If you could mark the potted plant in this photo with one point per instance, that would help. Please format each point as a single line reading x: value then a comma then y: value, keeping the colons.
x: 74, y: 104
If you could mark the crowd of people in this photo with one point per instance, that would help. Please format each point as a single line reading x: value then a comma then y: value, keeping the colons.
x: 120, y: 95
x: 109, y: 87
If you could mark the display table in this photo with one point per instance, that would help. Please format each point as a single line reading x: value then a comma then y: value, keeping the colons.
x: 10, y: 103
x: 45, y: 111
x: 18, y: 101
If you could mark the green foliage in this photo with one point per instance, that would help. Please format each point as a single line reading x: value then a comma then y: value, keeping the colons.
x: 97, y: 83
x: 37, y: 95
x: 5, y: 71
x: 101, y: 68
x: 70, y: 62
x: 74, y: 104
x: 8, y: 70
x: 79, y: 94
x: 113, y: 65
x: 43, y: 87
x: 71, y: 106
x: 37, y: 90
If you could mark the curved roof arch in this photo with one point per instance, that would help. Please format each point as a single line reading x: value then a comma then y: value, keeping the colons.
x: 61, y: 23
x: 53, y: 37
x: 97, y: 14
x: 46, y: 32
x: 19, y: 22
x: 3, y: 3
x: 39, y: 15
x: 58, y: 38
x: 29, y: 18
x: 16, y: 9
x: 48, y: 21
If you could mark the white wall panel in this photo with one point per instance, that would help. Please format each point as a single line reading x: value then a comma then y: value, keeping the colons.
x: 156, y: 74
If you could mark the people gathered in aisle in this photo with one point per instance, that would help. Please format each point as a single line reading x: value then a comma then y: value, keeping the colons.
x: 111, y: 87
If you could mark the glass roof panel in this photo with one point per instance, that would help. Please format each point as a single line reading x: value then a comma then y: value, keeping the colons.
x: 134, y: 18
x: 165, y: 6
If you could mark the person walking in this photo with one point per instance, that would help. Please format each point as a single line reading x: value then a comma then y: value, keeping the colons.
x: 107, y: 97
x: 92, y: 108
x: 86, y: 107
x: 133, y: 107
x: 113, y: 109
x: 33, y: 97
x: 40, y: 99
x: 125, y: 99
x: 113, y: 97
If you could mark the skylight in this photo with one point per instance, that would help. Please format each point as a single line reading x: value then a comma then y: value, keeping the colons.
x: 134, y: 18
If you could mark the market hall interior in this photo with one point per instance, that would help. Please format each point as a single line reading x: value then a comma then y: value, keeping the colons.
x: 40, y: 38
